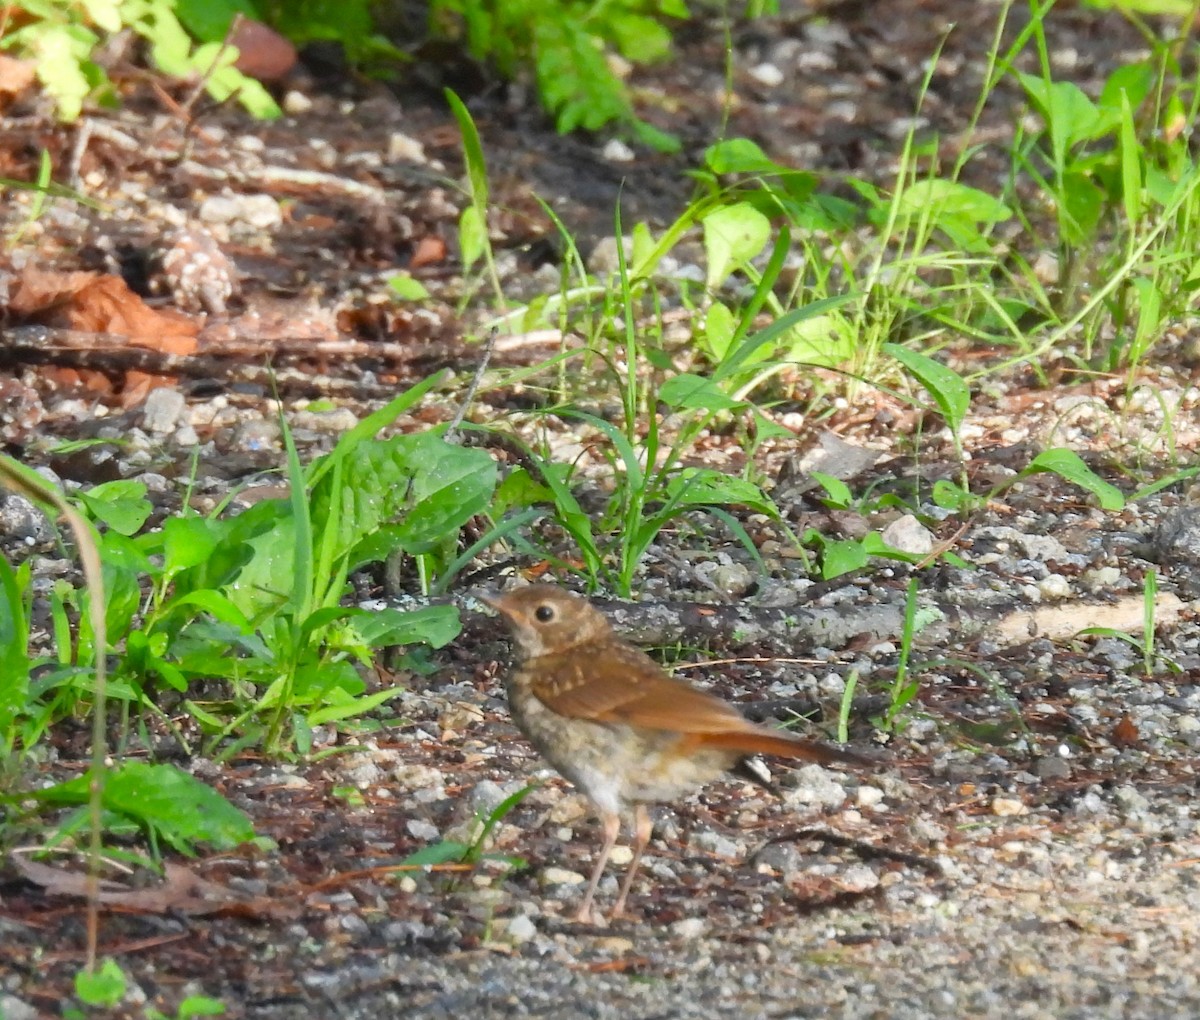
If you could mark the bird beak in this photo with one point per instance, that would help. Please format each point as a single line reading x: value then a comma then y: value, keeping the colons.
x: 493, y: 602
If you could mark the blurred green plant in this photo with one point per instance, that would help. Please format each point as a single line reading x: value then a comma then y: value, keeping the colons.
x: 568, y: 43
x: 61, y: 40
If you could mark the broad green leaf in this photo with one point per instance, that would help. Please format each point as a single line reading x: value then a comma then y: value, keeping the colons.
x: 1066, y: 111
x: 347, y: 707
x: 947, y: 388
x: 104, y: 14
x: 952, y: 497
x: 104, y: 987
x: 1068, y: 465
x: 719, y: 329
x: 837, y: 492
x: 14, y: 647
x: 472, y: 236
x: 825, y: 340
x: 1149, y: 318
x: 705, y: 486
x: 187, y: 542
x: 121, y: 504
x: 435, y: 626
x: 951, y: 198
x: 218, y: 605
x: 738, y: 156
x: 1083, y: 204
x: 472, y: 151
x: 264, y: 581
x: 639, y: 38
x: 449, y: 485
x: 199, y: 1005
x: 406, y: 288
x: 841, y: 556
x: 733, y: 235
x: 770, y: 336
x: 518, y: 489
x: 695, y: 392
x: 178, y: 807
x: 209, y: 20
x: 61, y: 53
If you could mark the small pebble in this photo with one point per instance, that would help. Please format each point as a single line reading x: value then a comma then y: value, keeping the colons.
x: 520, y: 928
x: 1006, y: 807
x: 689, y: 927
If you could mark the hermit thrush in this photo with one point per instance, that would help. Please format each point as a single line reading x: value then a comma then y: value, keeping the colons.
x: 622, y: 730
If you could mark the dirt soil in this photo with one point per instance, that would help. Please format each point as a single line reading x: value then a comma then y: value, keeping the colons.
x: 1029, y: 846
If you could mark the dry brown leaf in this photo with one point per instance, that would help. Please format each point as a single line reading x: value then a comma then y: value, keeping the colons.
x: 107, y: 305
x: 1125, y: 732
x: 430, y: 250
x: 15, y: 76
x: 38, y: 290
x: 181, y: 890
x: 262, y: 52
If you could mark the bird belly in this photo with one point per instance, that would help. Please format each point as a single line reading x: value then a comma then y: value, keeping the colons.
x: 667, y: 775
x: 616, y: 765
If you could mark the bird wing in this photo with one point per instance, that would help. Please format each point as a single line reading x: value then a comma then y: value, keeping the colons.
x: 620, y: 684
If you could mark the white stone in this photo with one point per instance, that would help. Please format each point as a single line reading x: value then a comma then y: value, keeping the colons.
x: 521, y: 928
x: 689, y: 927
x: 561, y: 876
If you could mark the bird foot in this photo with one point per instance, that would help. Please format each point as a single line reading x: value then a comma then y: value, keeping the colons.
x: 588, y: 914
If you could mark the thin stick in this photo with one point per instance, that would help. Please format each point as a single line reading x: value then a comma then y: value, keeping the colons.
x: 452, y: 432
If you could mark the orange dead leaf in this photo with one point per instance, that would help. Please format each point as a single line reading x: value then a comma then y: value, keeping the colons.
x: 36, y: 291
x: 430, y: 250
x: 15, y: 76
x: 1126, y: 732
x: 107, y: 305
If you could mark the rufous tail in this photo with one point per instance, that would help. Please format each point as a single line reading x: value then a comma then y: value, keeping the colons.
x: 761, y: 741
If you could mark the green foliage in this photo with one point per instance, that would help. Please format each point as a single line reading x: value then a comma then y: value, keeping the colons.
x: 60, y: 39
x: 104, y: 987
x: 166, y: 803
x: 254, y: 599
x: 15, y: 605
x: 474, y: 242
x: 190, y: 1008
x: 903, y: 688
x: 567, y: 42
x: 350, y: 23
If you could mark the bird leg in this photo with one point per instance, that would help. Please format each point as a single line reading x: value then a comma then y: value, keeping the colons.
x: 612, y: 826
x: 643, y: 825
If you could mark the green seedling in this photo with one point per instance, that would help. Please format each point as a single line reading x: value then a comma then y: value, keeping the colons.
x: 103, y: 988
x: 845, y: 706
x: 451, y: 851
x: 1146, y: 643
x: 190, y: 1008
x: 905, y: 688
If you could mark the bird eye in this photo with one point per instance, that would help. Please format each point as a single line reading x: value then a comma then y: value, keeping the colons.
x: 544, y: 613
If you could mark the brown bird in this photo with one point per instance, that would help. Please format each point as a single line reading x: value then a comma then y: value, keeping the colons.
x: 614, y: 723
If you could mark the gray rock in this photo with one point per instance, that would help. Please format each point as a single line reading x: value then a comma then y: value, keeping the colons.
x: 162, y: 410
